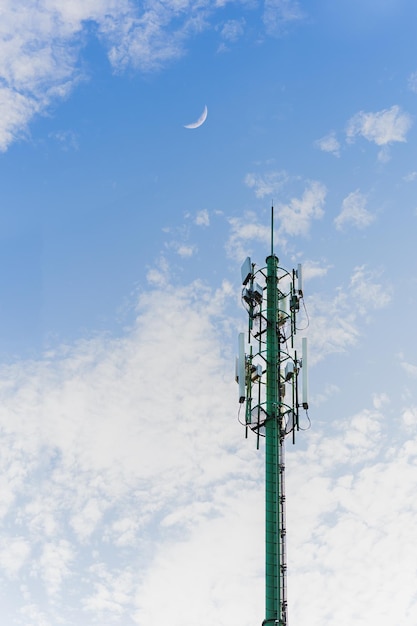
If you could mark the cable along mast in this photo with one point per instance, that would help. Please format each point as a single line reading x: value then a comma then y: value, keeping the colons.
x: 267, y: 372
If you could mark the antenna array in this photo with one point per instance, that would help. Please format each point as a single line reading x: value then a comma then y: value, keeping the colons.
x: 267, y: 371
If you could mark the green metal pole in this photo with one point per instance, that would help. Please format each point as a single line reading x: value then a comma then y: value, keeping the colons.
x: 272, y: 451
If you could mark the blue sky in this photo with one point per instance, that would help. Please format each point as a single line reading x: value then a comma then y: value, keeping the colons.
x: 129, y: 493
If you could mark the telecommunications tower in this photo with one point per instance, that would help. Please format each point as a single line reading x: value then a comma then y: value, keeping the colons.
x: 267, y: 370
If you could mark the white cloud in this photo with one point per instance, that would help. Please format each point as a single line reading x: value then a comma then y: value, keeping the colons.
x: 40, y: 45
x: 108, y: 443
x: 85, y: 520
x: 15, y: 112
x: 410, y: 369
x: 54, y: 564
x: 214, y: 590
x: 328, y: 392
x: 409, y: 178
x: 158, y: 275
x: 296, y: 216
x: 379, y: 400
x: 293, y: 218
x: 266, y: 184
x: 412, y: 82
x: 383, y: 127
x: 337, y: 513
x: 67, y: 139
x: 202, y: 218
x: 13, y: 554
x: 384, y: 155
x: 334, y: 323
x: 279, y: 13
x: 367, y: 292
x: 112, y: 592
x: 243, y: 231
x: 39, y: 48
x: 133, y: 480
x: 232, y: 30
x: 33, y: 616
x: 312, y: 269
x: 354, y: 212
x: 145, y: 41
x: 184, y: 251
x: 329, y: 143
x: 409, y: 417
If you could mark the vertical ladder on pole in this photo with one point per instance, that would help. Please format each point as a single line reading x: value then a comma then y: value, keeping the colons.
x: 282, y: 538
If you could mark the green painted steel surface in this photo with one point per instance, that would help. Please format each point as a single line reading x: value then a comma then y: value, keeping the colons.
x: 272, y: 450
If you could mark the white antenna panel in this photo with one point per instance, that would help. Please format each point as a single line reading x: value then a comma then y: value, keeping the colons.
x: 283, y: 305
x: 258, y: 293
x: 289, y: 370
x: 241, y: 368
x: 246, y: 270
x: 256, y: 373
x: 300, y: 278
x: 305, y: 373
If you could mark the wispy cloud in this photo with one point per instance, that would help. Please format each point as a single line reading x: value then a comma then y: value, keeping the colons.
x: 382, y: 127
x: 202, y: 218
x: 354, y: 212
x: 296, y: 216
x: 184, y: 251
x: 40, y: 44
x: 107, y: 442
x: 329, y: 143
x: 334, y: 324
x: 230, y: 32
x: 293, y: 218
x: 412, y: 82
x: 379, y: 400
x: 313, y: 269
x: 354, y: 462
x: 367, y: 289
x: 266, y: 184
x: 39, y: 52
x: 245, y: 231
x: 278, y: 14
x: 67, y: 139
x: 125, y: 466
x: 149, y: 40
x: 14, y: 553
x: 409, y: 368
x: 409, y: 417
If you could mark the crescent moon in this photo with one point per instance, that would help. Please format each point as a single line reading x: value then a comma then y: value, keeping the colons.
x: 200, y: 120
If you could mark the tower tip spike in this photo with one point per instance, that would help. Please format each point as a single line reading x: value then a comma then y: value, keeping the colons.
x: 272, y: 228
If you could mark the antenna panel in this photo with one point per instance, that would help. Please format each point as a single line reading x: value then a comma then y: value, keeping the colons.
x: 300, y: 279
x: 246, y: 270
x: 283, y: 305
x: 305, y: 373
x: 256, y: 373
x: 241, y: 368
x: 258, y: 293
x: 289, y: 370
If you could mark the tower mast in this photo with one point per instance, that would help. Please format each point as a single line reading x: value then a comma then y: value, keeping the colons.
x: 274, y: 501
x: 268, y: 384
